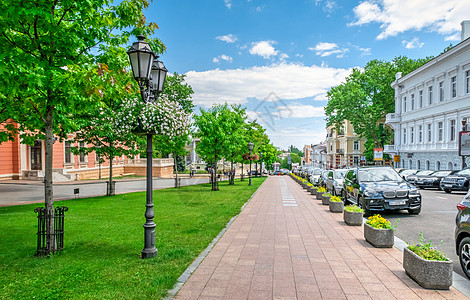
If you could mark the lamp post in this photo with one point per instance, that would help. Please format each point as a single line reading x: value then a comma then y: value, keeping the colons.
x: 464, y: 127
x: 150, y: 74
x: 261, y: 164
x: 250, y: 147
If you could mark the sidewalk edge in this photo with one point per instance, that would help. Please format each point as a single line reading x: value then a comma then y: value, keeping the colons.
x: 192, y: 267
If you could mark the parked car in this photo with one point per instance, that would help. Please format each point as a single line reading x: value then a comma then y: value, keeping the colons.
x: 433, y: 180
x: 377, y: 189
x: 412, y: 178
x: 322, y: 179
x: 405, y: 173
x: 285, y: 171
x: 277, y: 173
x: 456, y: 182
x: 462, y: 234
x: 315, y: 176
x: 334, y: 181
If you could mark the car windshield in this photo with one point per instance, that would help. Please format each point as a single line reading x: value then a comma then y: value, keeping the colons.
x: 442, y: 173
x: 408, y: 172
x: 465, y: 172
x: 317, y: 172
x: 378, y: 174
x: 421, y: 173
x: 340, y: 174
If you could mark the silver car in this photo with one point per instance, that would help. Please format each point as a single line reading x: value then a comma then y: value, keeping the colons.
x: 315, y: 177
x: 334, y: 181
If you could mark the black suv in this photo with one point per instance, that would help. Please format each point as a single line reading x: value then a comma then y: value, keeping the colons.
x: 462, y: 234
x: 378, y: 189
x: 456, y: 182
x: 433, y: 180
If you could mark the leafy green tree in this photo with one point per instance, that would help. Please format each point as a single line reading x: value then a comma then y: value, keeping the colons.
x: 98, y: 127
x: 295, y: 159
x: 45, y: 45
x: 367, y: 96
x: 176, y: 90
x: 293, y: 149
x: 215, y: 128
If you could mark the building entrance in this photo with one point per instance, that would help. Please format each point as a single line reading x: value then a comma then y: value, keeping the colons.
x: 36, y: 155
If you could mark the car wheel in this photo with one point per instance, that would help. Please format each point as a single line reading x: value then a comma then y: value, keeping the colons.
x: 415, y: 211
x: 464, y: 255
x: 367, y: 212
x: 448, y: 191
x: 344, y: 197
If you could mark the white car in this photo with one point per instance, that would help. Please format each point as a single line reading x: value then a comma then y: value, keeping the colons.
x: 334, y: 181
x: 315, y: 176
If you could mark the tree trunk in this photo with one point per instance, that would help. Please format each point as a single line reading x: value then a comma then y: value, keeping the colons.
x: 48, y: 188
x: 176, y: 170
x: 231, y: 177
x: 241, y: 175
x: 110, y: 190
x: 215, y: 186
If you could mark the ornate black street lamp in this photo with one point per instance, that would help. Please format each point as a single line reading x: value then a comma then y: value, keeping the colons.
x: 250, y: 147
x: 150, y: 73
x: 261, y: 164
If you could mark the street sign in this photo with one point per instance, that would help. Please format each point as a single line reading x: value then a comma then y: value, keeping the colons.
x: 464, y: 143
x: 378, y: 154
x: 289, y: 161
x: 396, y: 158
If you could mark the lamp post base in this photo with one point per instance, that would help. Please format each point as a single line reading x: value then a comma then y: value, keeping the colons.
x: 149, y: 253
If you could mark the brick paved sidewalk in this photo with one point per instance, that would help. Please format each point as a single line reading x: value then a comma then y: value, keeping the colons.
x: 286, y: 245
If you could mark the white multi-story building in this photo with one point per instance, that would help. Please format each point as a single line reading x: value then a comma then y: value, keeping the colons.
x: 430, y: 104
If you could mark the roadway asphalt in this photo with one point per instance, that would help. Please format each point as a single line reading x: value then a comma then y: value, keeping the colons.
x: 20, y: 192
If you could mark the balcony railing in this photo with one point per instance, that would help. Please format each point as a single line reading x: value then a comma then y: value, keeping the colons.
x: 392, y: 118
x: 339, y: 151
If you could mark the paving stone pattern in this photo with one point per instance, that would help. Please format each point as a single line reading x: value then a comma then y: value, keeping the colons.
x: 279, y: 251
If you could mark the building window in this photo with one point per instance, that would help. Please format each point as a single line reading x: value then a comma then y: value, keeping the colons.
x: 412, y: 133
x: 68, y: 154
x: 438, y: 165
x: 441, y: 91
x: 410, y: 164
x: 440, y: 131
x: 427, y: 165
x: 404, y: 104
x: 412, y: 101
x: 452, y: 130
x: 430, y: 95
x: 453, y: 84
x: 420, y: 99
x: 356, y: 146
x: 418, y: 165
x: 82, y: 154
x: 429, y: 133
x: 420, y: 136
x: 467, y: 82
x: 404, y: 135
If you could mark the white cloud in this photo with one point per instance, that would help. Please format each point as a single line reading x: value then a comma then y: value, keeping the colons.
x: 222, y: 57
x: 288, y: 81
x: 260, y: 8
x: 229, y: 38
x: 327, y: 49
x: 228, y: 4
x: 398, y: 16
x: 302, y: 110
x: 328, y: 6
x: 365, y: 51
x: 414, y: 43
x: 264, y: 49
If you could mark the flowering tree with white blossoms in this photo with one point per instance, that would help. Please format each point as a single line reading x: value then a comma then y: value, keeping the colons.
x: 163, y: 117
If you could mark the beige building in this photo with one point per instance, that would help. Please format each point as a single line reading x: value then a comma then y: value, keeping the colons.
x: 344, y: 147
x: 307, y: 159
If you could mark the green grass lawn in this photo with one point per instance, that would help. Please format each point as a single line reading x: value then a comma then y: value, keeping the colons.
x: 104, y: 239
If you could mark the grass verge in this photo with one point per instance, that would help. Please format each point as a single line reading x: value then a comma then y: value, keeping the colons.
x: 104, y: 239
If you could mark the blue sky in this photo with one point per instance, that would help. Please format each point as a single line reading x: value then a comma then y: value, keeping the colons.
x: 279, y: 58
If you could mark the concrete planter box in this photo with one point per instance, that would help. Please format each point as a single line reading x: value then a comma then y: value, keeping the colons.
x: 429, y: 274
x: 336, y: 207
x: 325, y: 200
x: 318, y: 195
x: 304, y: 186
x: 313, y: 191
x: 379, y: 238
x: 353, y: 218
x: 309, y: 189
